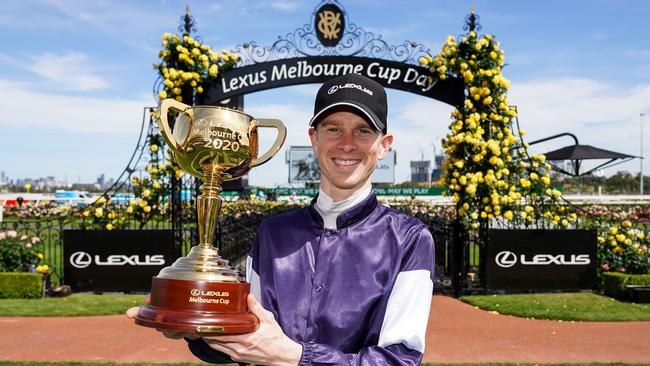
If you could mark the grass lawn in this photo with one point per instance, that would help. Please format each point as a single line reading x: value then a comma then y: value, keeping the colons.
x: 583, y: 306
x: 75, y: 305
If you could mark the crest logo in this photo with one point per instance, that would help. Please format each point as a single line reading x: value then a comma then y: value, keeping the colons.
x: 329, y: 24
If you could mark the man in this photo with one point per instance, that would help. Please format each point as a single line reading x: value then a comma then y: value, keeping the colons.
x: 344, y: 281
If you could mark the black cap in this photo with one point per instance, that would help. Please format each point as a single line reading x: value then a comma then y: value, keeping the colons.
x: 356, y: 91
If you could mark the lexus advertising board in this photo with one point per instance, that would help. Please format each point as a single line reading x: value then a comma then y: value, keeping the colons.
x: 541, y: 260
x: 116, y: 260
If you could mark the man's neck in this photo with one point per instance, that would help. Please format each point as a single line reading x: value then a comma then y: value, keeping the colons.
x: 337, y: 194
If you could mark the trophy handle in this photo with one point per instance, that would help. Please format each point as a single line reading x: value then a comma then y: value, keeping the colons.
x: 163, y: 123
x: 282, y: 135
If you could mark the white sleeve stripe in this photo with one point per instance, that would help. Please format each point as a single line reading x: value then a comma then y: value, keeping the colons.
x: 253, y: 278
x: 407, y: 312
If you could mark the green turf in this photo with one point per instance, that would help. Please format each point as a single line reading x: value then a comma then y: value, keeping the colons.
x: 583, y: 306
x: 74, y: 305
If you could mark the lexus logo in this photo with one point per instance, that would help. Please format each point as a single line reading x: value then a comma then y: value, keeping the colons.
x: 195, y: 292
x: 506, y: 259
x: 80, y: 259
x: 83, y: 260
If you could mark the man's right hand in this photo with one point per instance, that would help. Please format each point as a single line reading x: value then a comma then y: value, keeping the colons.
x: 132, y: 312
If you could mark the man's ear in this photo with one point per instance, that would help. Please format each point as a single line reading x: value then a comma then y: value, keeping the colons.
x: 313, y: 136
x: 384, y: 145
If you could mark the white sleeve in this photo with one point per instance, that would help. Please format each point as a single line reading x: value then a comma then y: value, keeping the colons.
x: 253, y: 278
x: 407, y: 312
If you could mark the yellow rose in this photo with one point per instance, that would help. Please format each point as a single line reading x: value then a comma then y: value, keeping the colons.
x: 109, y: 226
x: 147, y: 209
x: 146, y: 193
x: 39, y: 255
x: 99, y: 212
x: 153, y: 148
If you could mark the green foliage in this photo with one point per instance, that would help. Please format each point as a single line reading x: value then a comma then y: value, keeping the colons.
x: 614, y: 283
x: 21, y: 253
x: 21, y: 285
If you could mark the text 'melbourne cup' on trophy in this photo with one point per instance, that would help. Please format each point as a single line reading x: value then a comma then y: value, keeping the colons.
x: 200, y: 293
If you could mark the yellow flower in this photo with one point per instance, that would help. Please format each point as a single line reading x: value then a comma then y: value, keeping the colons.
x: 508, y: 215
x: 153, y: 148
x: 99, y: 212
x: 147, y: 209
x: 146, y: 193
x: 129, y: 209
x: 156, y: 185
x: 109, y: 226
x: 39, y: 255
x: 43, y: 268
x: 86, y: 213
x: 613, y: 230
x: 213, y: 70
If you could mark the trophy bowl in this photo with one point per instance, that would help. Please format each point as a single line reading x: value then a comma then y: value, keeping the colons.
x: 200, y: 293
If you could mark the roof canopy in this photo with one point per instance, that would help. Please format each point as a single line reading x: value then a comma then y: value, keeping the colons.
x: 577, y: 153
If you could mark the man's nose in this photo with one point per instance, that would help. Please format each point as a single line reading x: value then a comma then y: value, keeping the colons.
x: 347, y: 142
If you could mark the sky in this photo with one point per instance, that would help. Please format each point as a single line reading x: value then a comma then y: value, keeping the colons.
x: 76, y: 76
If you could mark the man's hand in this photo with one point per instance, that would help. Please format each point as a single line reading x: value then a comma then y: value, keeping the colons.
x: 132, y: 312
x: 268, y: 345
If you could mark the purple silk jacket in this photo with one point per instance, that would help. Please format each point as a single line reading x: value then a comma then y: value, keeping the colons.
x: 358, y: 295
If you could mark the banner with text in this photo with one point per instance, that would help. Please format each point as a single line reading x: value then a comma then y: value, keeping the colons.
x: 318, y: 69
x: 524, y: 260
x: 116, y: 260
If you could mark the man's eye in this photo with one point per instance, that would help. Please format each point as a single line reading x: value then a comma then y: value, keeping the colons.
x: 363, y: 132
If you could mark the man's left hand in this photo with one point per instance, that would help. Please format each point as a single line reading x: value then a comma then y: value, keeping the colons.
x: 268, y: 345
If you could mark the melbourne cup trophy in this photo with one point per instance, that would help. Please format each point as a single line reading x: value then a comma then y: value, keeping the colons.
x: 200, y: 293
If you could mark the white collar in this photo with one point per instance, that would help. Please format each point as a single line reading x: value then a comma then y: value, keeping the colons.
x: 330, y: 210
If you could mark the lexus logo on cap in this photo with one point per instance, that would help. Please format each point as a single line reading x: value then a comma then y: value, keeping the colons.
x: 336, y: 88
x: 506, y: 259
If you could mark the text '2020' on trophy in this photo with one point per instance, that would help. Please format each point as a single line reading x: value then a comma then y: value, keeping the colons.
x: 200, y: 293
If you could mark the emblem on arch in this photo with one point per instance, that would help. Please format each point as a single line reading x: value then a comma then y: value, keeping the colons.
x: 329, y: 24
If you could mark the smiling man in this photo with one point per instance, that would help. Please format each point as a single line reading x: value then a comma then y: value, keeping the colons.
x: 344, y: 281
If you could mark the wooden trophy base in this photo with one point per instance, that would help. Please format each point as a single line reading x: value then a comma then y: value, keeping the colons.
x: 199, y: 307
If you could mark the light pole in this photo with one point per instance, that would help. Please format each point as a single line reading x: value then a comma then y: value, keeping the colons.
x: 641, y: 165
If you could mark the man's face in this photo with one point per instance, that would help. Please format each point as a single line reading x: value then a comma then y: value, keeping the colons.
x: 348, y: 149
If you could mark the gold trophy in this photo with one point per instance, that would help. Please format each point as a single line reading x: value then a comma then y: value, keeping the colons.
x: 200, y: 293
